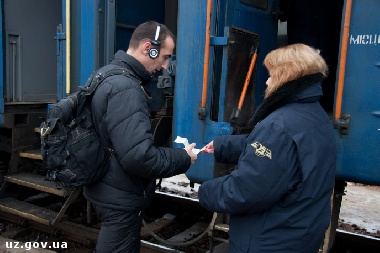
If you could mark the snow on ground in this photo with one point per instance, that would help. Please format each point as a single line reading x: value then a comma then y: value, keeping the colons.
x: 179, y: 183
x: 360, y: 205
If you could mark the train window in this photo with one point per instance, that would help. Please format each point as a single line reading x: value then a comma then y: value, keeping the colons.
x: 259, y: 4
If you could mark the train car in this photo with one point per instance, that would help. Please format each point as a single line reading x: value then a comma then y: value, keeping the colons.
x: 213, y: 84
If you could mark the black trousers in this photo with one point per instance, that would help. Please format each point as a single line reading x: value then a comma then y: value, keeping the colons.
x: 120, y: 231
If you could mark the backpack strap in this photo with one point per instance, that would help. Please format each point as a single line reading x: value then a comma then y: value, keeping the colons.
x: 93, y: 82
x: 98, y: 76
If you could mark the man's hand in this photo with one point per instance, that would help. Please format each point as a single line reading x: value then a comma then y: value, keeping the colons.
x: 189, y: 150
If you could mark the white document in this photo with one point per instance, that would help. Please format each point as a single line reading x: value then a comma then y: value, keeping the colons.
x: 185, y: 142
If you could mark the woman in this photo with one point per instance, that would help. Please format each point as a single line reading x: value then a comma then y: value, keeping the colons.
x: 278, y: 197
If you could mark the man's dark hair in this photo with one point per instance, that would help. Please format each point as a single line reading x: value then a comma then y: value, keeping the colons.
x: 147, y: 31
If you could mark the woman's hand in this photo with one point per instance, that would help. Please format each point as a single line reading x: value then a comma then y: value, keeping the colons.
x: 209, y: 148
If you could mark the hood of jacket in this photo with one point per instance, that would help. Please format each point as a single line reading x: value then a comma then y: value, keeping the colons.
x: 310, y: 94
x: 123, y: 59
x: 306, y: 89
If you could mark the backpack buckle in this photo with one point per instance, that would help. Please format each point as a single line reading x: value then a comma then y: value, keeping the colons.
x: 44, y: 131
x: 47, y: 126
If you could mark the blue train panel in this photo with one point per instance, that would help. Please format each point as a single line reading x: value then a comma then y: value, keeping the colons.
x: 253, y: 22
x: 358, y: 150
x: 43, y: 59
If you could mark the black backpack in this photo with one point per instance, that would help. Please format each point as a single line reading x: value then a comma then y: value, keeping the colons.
x: 71, y: 150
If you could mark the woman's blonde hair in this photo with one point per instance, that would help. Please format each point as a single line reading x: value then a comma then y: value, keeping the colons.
x: 292, y: 62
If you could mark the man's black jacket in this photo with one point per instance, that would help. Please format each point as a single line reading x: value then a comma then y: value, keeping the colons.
x: 121, y: 116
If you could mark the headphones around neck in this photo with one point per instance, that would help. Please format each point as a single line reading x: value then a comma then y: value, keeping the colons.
x: 154, y: 52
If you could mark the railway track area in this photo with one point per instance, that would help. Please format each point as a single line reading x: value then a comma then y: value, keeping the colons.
x: 175, y: 222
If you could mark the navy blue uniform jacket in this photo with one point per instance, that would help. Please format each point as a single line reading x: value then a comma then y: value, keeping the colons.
x: 122, y: 117
x: 279, y: 194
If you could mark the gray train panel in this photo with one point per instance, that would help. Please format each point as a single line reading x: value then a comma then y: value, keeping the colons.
x: 30, y: 49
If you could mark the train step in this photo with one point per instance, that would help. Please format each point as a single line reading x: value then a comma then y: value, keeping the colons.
x: 222, y: 227
x: 31, y: 154
x: 218, y: 224
x: 28, y: 211
x: 37, y: 182
x: 12, y: 186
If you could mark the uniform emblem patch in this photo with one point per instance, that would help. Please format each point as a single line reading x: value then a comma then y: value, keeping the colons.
x: 261, y: 150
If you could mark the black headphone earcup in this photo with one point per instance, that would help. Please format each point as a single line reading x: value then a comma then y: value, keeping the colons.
x: 153, y: 53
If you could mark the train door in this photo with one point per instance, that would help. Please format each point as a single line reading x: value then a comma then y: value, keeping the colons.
x: 30, y: 49
x: 129, y: 14
x: 237, y: 27
x: 358, y: 114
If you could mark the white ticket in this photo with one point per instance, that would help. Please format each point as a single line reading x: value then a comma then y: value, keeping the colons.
x: 185, y: 142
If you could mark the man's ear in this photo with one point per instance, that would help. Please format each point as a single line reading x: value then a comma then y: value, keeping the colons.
x: 145, y: 47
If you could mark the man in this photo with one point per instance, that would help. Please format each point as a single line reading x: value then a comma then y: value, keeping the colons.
x: 278, y: 197
x: 122, y: 118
